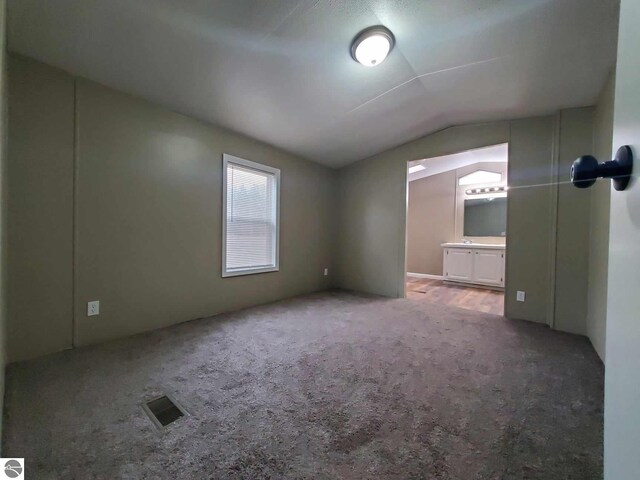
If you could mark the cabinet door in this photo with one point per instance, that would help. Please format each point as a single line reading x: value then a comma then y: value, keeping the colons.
x: 458, y: 264
x: 488, y: 267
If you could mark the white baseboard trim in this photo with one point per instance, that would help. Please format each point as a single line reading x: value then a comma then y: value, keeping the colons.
x: 424, y: 275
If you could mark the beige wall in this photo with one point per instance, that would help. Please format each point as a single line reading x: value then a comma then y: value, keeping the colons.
x: 147, y: 223
x: 530, y: 219
x: 599, y: 222
x: 3, y: 202
x: 40, y: 219
x: 572, y: 235
x: 430, y: 221
x: 371, y: 254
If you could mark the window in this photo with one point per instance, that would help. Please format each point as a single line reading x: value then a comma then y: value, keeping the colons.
x: 250, y: 217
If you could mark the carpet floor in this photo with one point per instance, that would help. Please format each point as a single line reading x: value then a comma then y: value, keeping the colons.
x: 333, y: 385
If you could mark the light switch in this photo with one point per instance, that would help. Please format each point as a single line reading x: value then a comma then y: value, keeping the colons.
x: 520, y: 296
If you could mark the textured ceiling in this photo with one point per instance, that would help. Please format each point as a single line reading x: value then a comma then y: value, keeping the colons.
x: 280, y: 71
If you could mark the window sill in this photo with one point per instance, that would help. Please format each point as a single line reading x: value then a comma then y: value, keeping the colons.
x: 249, y: 271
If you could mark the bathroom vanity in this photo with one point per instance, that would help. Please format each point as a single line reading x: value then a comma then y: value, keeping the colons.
x: 474, y: 263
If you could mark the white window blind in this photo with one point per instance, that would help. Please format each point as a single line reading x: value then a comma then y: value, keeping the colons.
x: 250, y: 243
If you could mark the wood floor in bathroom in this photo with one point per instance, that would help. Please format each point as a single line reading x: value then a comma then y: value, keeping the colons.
x: 470, y: 298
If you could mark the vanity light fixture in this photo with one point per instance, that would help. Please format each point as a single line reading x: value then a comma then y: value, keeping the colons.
x: 372, y: 45
x: 480, y: 191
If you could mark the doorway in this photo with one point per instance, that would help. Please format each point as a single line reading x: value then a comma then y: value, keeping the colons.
x: 456, y: 229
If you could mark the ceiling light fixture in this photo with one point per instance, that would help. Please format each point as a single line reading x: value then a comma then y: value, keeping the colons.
x: 417, y: 168
x: 372, y: 45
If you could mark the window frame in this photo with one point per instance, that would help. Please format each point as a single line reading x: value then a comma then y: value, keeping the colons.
x: 232, y: 159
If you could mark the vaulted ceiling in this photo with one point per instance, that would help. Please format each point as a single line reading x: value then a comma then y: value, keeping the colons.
x: 280, y: 71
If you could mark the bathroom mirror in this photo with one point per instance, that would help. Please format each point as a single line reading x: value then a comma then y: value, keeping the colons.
x: 485, y: 217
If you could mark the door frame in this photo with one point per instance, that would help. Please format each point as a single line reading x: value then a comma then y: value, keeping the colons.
x: 402, y: 287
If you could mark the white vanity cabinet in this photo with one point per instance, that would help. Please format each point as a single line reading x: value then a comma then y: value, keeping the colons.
x: 479, y: 264
x: 458, y: 264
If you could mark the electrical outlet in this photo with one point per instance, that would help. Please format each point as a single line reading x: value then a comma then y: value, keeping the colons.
x: 326, y: 272
x: 520, y: 296
x: 93, y: 308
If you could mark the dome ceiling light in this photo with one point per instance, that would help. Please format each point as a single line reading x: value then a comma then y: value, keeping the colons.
x: 372, y: 45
